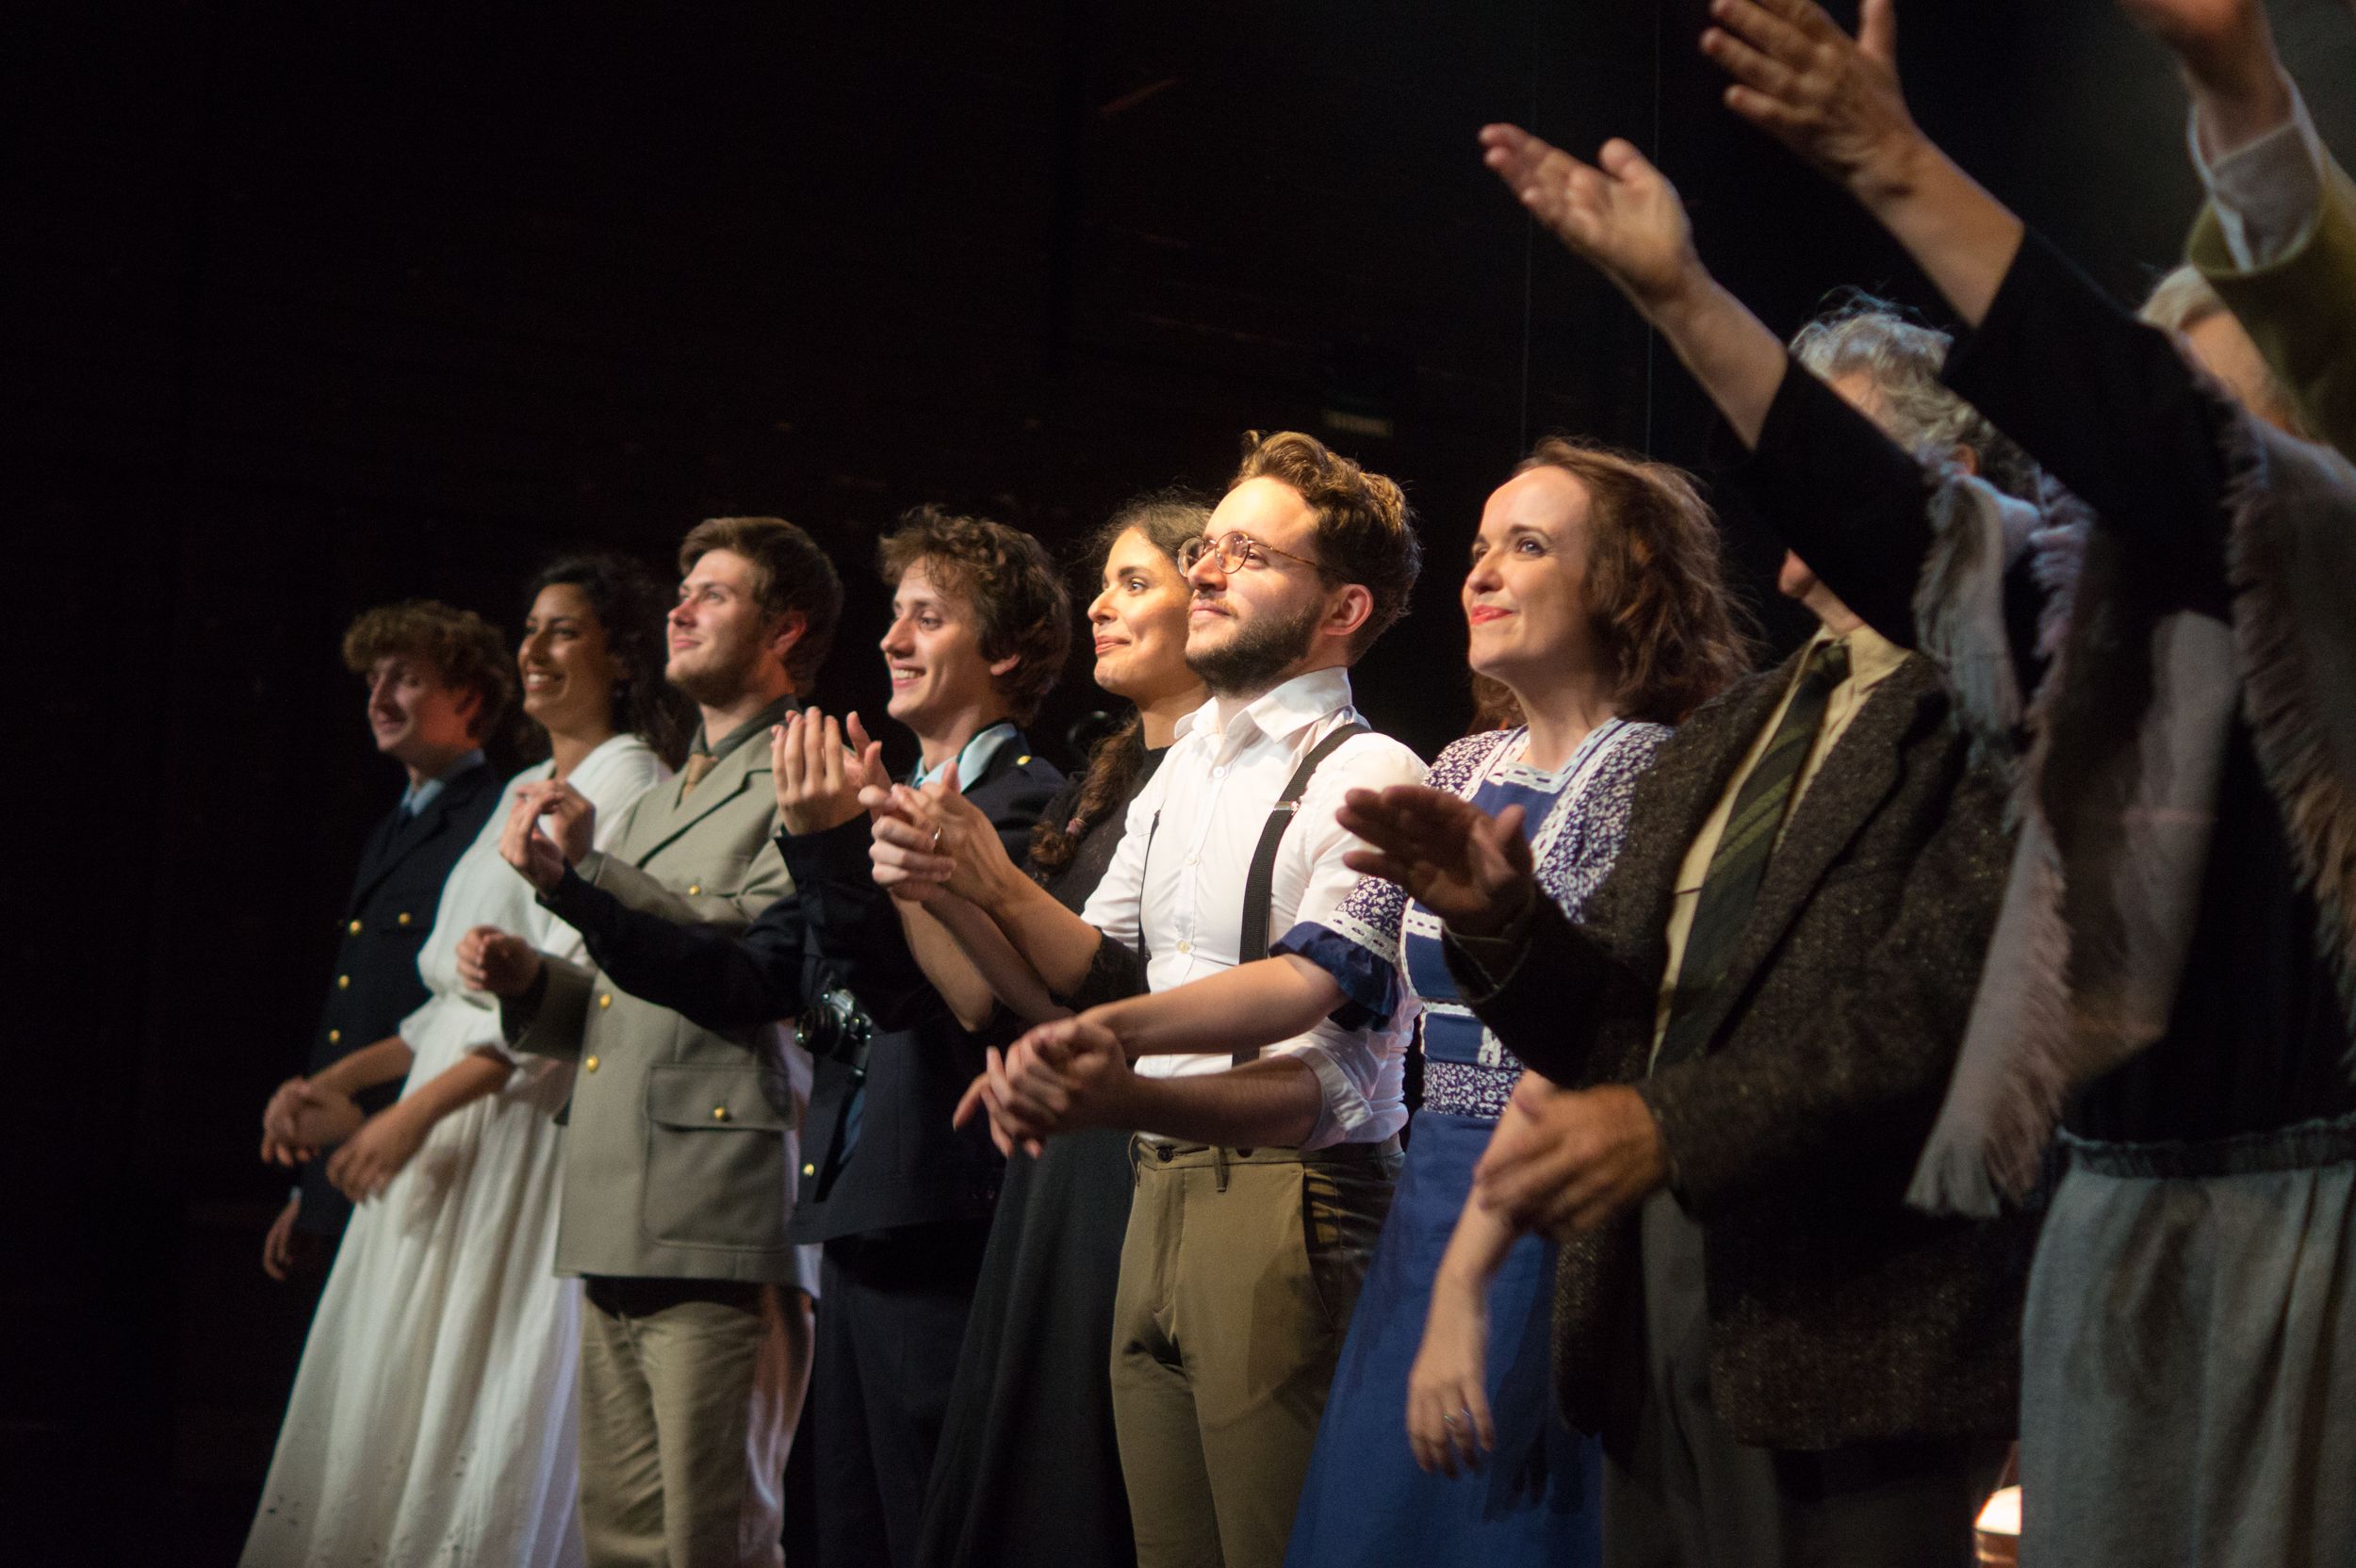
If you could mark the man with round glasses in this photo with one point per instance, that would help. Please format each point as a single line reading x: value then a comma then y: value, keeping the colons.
x: 1261, y: 1177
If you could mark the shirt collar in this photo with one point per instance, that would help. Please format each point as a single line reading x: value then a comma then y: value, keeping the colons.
x: 418, y: 796
x: 759, y: 724
x: 1873, y: 658
x: 1278, y: 712
x: 976, y: 756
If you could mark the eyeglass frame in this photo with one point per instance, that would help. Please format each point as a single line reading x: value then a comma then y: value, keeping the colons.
x: 1194, y: 551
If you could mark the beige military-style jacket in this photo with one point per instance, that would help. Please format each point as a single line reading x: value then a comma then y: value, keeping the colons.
x: 678, y: 1161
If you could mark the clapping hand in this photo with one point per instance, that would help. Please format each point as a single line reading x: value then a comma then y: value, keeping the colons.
x: 496, y: 963
x: 302, y: 1118
x: 1620, y: 213
x: 1471, y: 869
x: 818, y: 778
x: 542, y: 851
x: 1832, y: 99
x: 933, y: 839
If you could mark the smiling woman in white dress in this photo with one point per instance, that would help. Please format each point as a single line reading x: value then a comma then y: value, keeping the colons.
x: 433, y: 1419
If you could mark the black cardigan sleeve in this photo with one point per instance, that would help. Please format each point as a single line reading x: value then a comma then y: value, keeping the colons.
x: 721, y: 979
x: 2105, y: 403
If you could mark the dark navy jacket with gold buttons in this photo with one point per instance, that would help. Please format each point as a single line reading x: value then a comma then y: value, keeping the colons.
x: 375, y: 983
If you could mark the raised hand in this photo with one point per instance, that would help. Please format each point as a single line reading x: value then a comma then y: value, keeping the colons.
x: 1471, y: 869
x: 2225, y: 49
x: 1621, y: 214
x: 818, y: 778
x: 935, y: 838
x: 1566, y: 1161
x: 496, y: 963
x: 542, y: 852
x: 372, y: 1156
x: 1832, y: 99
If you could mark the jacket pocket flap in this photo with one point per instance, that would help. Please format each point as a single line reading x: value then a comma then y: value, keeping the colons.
x: 683, y: 1096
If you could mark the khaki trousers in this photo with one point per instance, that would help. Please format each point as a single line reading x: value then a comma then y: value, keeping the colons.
x: 689, y: 1395
x: 1239, y: 1274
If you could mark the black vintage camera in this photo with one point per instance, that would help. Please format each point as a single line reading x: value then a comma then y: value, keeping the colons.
x: 833, y: 1026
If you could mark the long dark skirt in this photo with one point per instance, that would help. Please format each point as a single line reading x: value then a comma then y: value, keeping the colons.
x: 1028, y: 1469
x: 1536, y: 1500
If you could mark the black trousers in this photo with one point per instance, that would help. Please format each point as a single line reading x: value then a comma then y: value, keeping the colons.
x: 892, y: 1310
x: 1679, y: 1493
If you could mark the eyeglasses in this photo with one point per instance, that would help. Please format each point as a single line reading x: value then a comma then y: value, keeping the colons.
x: 1235, y: 552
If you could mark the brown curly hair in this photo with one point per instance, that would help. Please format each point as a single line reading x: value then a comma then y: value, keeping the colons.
x: 464, y: 650
x: 1656, y: 586
x: 1168, y: 518
x: 1366, y: 531
x: 1009, y: 578
x: 792, y: 575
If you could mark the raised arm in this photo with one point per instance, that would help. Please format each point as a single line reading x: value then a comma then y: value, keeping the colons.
x: 1837, y: 490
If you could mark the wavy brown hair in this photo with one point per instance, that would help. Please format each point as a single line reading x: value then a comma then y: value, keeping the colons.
x: 1168, y: 518
x: 1008, y: 577
x: 1366, y: 531
x: 465, y: 651
x: 1656, y: 586
x: 792, y: 575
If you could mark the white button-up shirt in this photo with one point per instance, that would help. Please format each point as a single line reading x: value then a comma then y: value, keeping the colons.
x: 1202, y: 813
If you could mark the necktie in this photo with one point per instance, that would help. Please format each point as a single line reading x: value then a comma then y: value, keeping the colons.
x: 698, y: 764
x: 1739, y: 863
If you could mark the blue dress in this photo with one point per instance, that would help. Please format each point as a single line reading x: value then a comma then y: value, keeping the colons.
x: 1536, y: 1500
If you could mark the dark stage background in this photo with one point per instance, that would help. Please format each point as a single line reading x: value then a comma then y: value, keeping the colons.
x: 315, y: 308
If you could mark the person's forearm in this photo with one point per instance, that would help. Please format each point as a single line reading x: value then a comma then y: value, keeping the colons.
x: 1272, y: 1102
x: 386, y: 1062
x: 946, y: 968
x: 1251, y: 1004
x: 462, y: 1083
x: 978, y: 947
x: 1477, y: 1248
x: 1962, y: 237
x: 1058, y: 944
x: 1738, y: 362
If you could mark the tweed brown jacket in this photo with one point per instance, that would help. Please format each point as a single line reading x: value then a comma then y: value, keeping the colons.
x: 1837, y: 1315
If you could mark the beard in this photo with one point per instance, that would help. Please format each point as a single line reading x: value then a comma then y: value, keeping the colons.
x: 719, y: 677
x: 1253, y: 658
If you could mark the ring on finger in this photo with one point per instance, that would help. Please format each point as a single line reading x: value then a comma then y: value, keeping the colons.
x: 936, y: 841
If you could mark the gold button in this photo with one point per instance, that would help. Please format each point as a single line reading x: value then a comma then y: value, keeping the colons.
x: 606, y: 1000
x: 719, y: 1113
x: 343, y: 982
x: 591, y: 1064
x: 693, y: 887
x: 401, y: 919
x: 353, y: 928
x: 334, y: 1037
x: 1020, y: 761
x: 809, y: 1170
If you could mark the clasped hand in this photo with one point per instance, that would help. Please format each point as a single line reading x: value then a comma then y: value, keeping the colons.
x: 819, y: 779
x: 1566, y: 1161
x: 302, y: 1118
x: 1059, y: 1077
x: 496, y: 963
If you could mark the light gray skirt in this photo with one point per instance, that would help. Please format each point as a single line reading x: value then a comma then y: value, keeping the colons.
x: 2188, y: 1377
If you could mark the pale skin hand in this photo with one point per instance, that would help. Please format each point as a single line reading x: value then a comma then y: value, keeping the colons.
x: 1834, y: 101
x: 1471, y: 869
x: 1576, y: 1161
x: 1449, y: 1422
x: 2225, y: 51
x: 818, y: 778
x: 496, y: 963
x: 933, y: 840
x: 1057, y: 1078
x: 542, y: 851
x: 1625, y: 218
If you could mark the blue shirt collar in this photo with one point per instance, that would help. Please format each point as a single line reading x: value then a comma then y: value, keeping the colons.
x: 419, y: 796
x: 976, y: 757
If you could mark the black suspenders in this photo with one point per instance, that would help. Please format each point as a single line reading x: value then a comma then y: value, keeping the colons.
x: 1259, y: 888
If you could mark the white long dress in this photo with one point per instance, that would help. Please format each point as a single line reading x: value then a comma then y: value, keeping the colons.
x: 434, y: 1418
